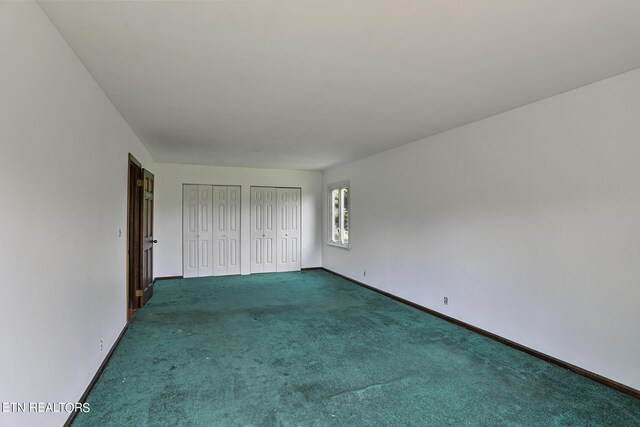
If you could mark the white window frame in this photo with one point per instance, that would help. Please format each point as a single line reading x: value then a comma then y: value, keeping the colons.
x: 331, y: 187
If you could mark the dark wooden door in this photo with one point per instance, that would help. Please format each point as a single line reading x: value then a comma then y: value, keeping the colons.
x: 134, y: 236
x: 147, y: 237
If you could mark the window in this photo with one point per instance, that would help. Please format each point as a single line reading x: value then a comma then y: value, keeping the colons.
x: 339, y: 214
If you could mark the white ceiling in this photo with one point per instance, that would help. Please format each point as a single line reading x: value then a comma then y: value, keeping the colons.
x: 310, y: 84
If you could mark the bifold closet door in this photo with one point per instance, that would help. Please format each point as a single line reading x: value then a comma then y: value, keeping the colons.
x: 288, y: 229
x: 197, y: 235
x: 226, y: 230
x: 263, y: 230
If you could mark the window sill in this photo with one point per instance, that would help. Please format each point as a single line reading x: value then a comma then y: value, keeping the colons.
x: 338, y: 245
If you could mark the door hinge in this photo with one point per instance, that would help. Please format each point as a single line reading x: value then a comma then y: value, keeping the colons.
x: 139, y: 293
x: 139, y: 182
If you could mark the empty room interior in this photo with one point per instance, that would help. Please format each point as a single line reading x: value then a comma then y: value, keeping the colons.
x: 319, y: 212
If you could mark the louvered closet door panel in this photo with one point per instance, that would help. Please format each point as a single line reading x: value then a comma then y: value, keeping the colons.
x: 233, y: 230
x: 190, y: 230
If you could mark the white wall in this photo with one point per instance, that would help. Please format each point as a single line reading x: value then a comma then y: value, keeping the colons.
x: 63, y: 197
x: 528, y: 221
x: 168, y: 205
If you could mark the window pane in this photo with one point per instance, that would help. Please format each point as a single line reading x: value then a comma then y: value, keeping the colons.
x: 335, y: 234
x: 345, y: 216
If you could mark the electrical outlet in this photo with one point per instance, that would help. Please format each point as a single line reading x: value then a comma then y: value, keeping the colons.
x: 364, y: 273
x: 446, y: 300
x: 119, y: 232
x: 101, y: 344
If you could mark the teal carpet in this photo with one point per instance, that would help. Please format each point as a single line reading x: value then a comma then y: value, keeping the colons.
x: 311, y: 349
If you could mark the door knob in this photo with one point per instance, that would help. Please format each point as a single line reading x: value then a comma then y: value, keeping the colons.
x: 154, y: 241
